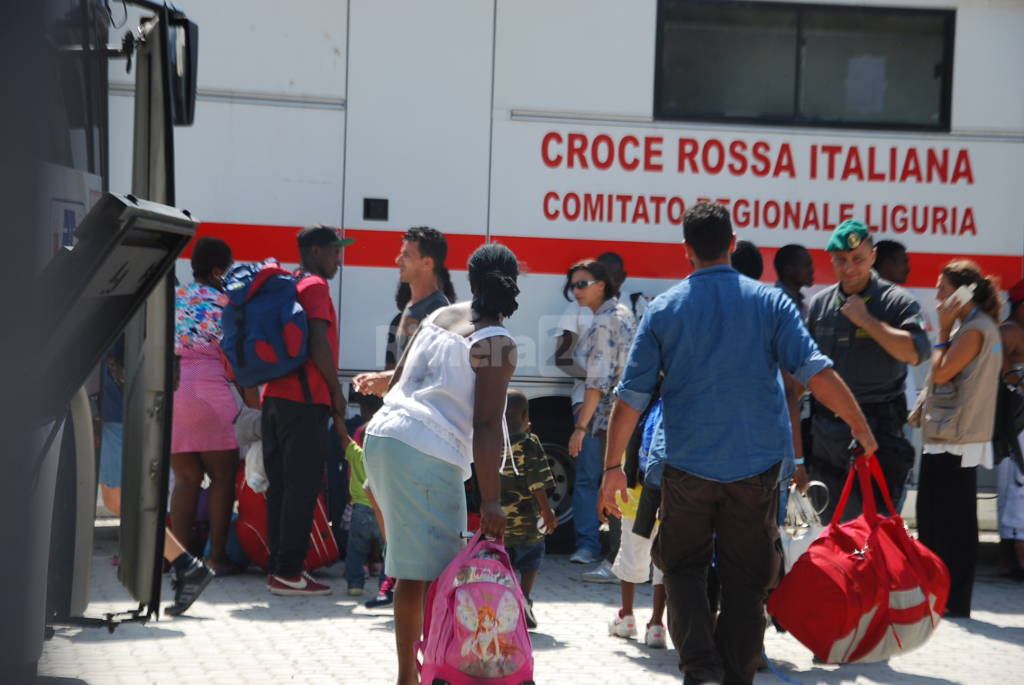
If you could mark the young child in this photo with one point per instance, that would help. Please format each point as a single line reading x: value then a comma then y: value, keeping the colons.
x: 524, y: 497
x: 364, y: 532
x: 633, y: 561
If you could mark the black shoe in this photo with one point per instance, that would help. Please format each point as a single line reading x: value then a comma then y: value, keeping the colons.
x: 384, y: 598
x: 188, y: 586
x: 531, y: 622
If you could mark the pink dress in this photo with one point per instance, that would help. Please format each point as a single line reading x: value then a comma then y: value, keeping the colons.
x: 204, y: 406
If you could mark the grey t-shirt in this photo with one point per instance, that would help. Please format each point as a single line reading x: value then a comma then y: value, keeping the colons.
x: 411, y: 317
x: 873, y: 375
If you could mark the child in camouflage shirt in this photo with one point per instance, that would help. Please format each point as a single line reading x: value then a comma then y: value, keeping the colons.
x: 524, y: 497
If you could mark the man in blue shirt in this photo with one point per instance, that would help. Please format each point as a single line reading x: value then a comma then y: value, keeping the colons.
x: 720, y: 339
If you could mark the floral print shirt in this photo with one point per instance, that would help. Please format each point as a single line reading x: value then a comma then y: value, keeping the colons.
x: 197, y: 312
x: 603, y: 351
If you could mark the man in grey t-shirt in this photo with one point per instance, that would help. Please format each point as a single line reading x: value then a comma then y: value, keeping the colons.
x: 420, y: 266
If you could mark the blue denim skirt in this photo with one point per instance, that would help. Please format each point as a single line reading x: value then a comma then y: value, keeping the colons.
x: 423, y: 502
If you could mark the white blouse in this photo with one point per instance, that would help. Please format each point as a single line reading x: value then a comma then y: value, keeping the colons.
x: 430, y: 408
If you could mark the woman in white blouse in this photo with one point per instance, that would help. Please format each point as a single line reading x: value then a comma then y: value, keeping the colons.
x: 956, y: 413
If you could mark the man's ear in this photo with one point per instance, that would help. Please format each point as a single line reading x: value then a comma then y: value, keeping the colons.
x: 732, y: 243
x: 690, y: 254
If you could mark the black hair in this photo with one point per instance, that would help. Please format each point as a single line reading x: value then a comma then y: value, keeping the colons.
x: 210, y: 253
x: 432, y: 243
x: 615, y: 264
x: 986, y: 288
x: 517, y: 403
x: 887, y: 249
x: 707, y: 229
x: 786, y: 257
x: 446, y: 284
x: 493, y: 270
x: 746, y: 259
x: 403, y: 295
x: 598, y: 270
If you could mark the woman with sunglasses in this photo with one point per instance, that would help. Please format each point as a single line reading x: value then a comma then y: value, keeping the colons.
x: 601, y: 352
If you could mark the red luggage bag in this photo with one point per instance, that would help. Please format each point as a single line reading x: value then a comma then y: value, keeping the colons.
x: 864, y: 590
x: 251, y: 527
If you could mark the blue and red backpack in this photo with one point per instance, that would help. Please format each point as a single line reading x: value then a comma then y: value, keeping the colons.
x: 266, y: 334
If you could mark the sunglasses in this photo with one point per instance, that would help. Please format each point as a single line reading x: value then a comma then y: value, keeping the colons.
x: 580, y: 285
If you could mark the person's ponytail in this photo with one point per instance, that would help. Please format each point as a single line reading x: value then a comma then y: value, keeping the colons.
x: 446, y: 283
x: 497, y: 295
x: 493, y: 270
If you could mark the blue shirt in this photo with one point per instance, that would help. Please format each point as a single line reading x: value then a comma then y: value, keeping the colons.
x: 652, y: 446
x: 720, y: 339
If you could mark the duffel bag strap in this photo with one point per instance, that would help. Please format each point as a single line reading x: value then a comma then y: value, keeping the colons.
x: 837, y: 515
x: 867, y: 468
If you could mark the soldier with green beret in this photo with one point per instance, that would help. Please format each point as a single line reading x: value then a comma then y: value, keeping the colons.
x: 872, y: 329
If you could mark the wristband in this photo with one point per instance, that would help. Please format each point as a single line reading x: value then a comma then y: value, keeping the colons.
x: 799, y: 462
x: 612, y: 468
x: 580, y: 427
x: 939, y: 346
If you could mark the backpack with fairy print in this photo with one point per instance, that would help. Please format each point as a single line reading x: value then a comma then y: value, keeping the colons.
x: 474, y: 629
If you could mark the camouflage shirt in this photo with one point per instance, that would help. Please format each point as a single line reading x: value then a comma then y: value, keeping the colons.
x: 517, y: 500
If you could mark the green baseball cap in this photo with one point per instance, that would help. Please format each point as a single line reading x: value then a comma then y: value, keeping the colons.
x: 322, y: 235
x: 847, y: 236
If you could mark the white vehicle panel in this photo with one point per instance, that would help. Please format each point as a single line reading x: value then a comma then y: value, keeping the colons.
x: 584, y: 56
x: 419, y: 115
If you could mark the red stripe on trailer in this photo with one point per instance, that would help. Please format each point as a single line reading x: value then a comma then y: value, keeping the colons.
x: 378, y: 248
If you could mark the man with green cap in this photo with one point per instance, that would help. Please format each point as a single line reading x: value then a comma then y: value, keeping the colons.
x: 872, y: 329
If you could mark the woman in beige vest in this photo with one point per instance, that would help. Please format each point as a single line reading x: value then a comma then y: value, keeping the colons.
x: 957, y: 413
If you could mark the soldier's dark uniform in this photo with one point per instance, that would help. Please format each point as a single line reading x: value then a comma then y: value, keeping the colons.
x: 521, y: 510
x: 876, y: 380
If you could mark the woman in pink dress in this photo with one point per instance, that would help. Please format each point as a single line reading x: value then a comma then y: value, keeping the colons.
x: 202, y: 434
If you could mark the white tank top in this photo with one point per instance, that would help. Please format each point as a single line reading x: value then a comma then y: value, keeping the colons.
x: 430, y: 408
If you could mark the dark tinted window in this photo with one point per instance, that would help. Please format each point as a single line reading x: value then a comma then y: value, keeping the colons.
x: 803, y: 64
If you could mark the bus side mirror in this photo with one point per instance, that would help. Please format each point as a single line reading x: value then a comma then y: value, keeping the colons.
x: 182, y: 58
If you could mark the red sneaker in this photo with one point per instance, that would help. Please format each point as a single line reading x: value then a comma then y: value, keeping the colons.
x: 298, y: 585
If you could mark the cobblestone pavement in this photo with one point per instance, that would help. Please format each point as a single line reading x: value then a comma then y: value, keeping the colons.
x: 239, y: 633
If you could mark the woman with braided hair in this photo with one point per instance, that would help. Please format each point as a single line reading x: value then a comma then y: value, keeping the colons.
x: 443, y: 412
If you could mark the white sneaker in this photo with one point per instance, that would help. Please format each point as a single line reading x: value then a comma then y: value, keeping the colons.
x: 601, y: 574
x: 655, y: 637
x: 584, y: 556
x: 622, y: 626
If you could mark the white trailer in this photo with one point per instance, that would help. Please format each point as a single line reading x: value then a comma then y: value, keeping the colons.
x: 564, y: 129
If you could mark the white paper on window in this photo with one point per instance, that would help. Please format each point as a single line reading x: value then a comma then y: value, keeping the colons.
x: 865, y: 84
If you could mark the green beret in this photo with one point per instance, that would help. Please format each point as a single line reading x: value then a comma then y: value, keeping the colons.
x: 847, y: 236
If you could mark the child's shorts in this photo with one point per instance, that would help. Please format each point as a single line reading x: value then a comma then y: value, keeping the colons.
x: 633, y: 562
x: 526, y: 557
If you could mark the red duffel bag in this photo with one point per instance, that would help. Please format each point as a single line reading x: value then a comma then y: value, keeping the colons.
x: 864, y: 590
x: 251, y: 527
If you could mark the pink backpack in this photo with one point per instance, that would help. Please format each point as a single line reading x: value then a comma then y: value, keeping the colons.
x: 474, y: 629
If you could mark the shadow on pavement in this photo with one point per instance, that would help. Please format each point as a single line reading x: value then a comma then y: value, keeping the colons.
x: 127, y: 631
x: 1011, y: 634
x: 879, y: 673
x: 285, y: 609
x: 544, y: 641
x: 48, y: 680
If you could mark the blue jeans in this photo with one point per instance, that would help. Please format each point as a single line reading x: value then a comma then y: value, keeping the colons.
x: 589, y: 469
x: 362, y: 531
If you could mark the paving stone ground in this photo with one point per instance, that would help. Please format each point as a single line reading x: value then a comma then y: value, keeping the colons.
x: 238, y: 633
